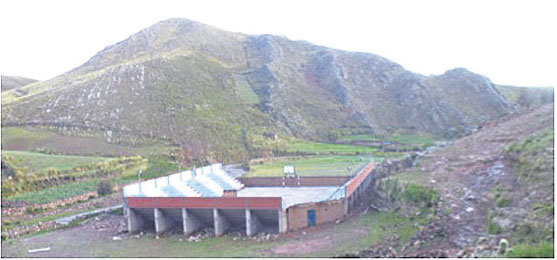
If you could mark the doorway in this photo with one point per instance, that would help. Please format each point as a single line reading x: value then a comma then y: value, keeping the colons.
x: 311, y: 218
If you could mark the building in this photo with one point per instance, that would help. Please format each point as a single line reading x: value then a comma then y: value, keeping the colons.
x: 210, y: 198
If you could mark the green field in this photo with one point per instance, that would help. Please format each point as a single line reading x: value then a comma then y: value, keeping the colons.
x: 312, y: 166
x: 155, y: 167
x: 422, y: 139
x: 323, y: 148
x: 35, y: 162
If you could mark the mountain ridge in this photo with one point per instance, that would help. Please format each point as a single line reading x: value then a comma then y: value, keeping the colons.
x: 196, y: 86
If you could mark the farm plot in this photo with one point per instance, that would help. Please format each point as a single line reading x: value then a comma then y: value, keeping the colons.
x: 35, y: 162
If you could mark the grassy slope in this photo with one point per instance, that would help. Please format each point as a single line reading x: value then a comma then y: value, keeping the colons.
x: 34, y: 139
x: 11, y: 82
x: 35, y: 162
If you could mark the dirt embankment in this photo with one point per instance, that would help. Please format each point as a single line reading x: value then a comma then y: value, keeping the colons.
x: 482, y: 196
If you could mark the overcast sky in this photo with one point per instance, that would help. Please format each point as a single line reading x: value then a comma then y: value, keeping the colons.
x: 510, y: 42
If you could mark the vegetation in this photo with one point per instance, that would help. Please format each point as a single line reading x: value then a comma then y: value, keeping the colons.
x: 53, y: 177
x: 408, y: 192
x: 312, y: 166
x: 300, y: 146
x: 419, y: 195
x: 527, y: 156
x: 123, y: 173
x: 492, y: 226
x: 416, y: 139
x: 104, y: 188
x: 34, y: 162
x: 503, y: 202
x: 543, y: 249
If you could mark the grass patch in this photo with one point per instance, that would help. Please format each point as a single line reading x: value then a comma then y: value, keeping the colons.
x: 57, y: 192
x: 300, y: 146
x: 35, y: 162
x: 416, y: 139
x: 543, y: 249
x: 420, y: 196
x: 492, y: 226
x: 312, y: 166
x: 379, y: 225
x: 503, y: 202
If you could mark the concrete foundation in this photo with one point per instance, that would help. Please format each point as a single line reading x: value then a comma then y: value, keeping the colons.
x: 135, y: 221
x: 162, y: 221
x: 252, y: 223
x: 283, y: 221
x: 191, y: 222
x: 221, y: 223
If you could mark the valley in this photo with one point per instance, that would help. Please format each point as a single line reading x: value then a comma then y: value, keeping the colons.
x: 464, y: 167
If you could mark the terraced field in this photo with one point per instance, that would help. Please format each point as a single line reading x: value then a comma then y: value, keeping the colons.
x: 35, y: 162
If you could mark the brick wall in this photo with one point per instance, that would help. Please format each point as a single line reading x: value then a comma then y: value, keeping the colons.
x: 325, y: 212
x: 294, y: 182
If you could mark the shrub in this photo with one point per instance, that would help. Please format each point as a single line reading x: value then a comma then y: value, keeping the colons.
x: 492, y: 226
x: 104, y: 188
x: 503, y: 202
x: 417, y: 195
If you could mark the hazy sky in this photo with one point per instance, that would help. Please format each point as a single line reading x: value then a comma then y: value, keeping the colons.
x: 511, y: 42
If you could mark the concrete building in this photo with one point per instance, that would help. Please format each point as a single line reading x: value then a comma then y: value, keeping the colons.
x: 210, y: 198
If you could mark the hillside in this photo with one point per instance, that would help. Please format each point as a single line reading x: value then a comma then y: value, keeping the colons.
x: 11, y: 82
x: 217, y: 93
x: 527, y: 97
x: 494, y: 184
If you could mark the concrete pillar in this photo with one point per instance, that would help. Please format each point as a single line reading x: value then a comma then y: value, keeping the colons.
x: 135, y: 221
x: 283, y: 221
x: 252, y: 223
x: 190, y: 221
x: 162, y: 221
x: 221, y: 223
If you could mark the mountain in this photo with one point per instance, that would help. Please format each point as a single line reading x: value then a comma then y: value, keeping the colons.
x: 216, y: 93
x: 10, y: 82
x: 527, y: 97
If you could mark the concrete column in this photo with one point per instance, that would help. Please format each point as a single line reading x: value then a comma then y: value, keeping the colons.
x: 162, y: 221
x: 221, y: 223
x: 252, y: 223
x: 135, y: 221
x: 190, y: 221
x: 283, y: 221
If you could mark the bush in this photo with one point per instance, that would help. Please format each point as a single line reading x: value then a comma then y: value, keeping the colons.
x: 417, y: 195
x: 492, y: 226
x: 104, y: 188
x: 503, y: 202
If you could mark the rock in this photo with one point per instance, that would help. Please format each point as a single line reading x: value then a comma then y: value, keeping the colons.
x: 505, y: 223
x: 469, y: 209
x: 116, y: 238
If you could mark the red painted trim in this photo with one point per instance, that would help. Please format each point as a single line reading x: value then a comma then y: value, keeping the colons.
x: 209, y: 202
x: 358, y: 179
